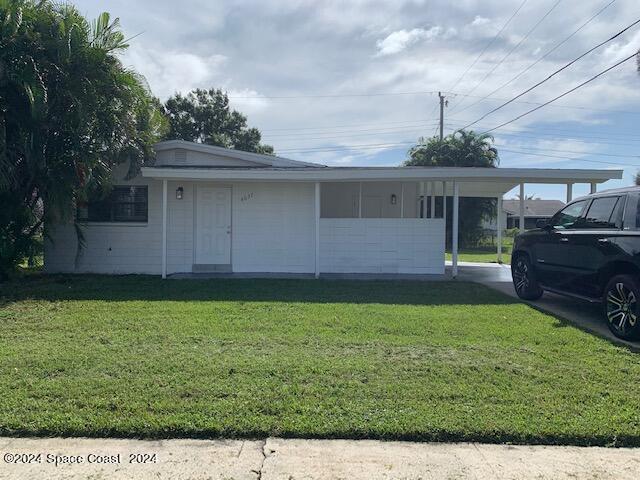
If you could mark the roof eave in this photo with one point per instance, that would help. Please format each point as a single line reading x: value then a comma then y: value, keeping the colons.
x: 335, y: 174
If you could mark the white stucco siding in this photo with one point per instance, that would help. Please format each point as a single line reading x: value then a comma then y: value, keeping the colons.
x: 382, y: 245
x: 273, y: 227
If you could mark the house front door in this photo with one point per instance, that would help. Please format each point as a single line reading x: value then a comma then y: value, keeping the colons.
x: 213, y: 228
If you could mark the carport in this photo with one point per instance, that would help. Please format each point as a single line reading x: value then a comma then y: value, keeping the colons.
x: 243, y: 213
x: 442, y: 182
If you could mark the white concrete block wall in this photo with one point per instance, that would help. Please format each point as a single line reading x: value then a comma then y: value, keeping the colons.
x: 382, y: 245
x: 110, y: 247
x: 180, y: 227
x: 272, y: 231
x: 273, y: 227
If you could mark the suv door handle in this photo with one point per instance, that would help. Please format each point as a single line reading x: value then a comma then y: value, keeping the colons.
x: 564, y: 239
x: 603, y: 240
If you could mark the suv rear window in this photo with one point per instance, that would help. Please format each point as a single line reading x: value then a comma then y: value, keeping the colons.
x: 604, y: 212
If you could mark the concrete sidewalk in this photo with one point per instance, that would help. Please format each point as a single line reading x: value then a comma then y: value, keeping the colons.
x: 283, y: 459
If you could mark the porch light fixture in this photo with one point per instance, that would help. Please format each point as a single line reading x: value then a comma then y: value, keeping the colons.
x: 179, y: 193
x: 394, y: 199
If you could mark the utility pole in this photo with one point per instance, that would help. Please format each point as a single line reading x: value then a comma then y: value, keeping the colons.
x: 441, y: 115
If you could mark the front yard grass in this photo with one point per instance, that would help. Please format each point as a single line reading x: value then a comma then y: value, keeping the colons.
x: 141, y: 357
x: 480, y: 255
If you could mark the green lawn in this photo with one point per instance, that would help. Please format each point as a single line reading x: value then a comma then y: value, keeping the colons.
x: 485, y: 253
x: 481, y: 255
x: 142, y: 357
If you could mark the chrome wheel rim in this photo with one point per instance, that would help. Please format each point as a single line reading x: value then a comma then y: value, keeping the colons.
x: 521, y: 276
x: 621, y: 308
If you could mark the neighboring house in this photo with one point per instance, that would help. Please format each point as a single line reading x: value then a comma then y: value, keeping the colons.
x: 200, y: 208
x: 534, y: 209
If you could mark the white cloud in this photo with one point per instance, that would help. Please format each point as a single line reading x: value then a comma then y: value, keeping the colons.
x: 479, y: 20
x: 257, y: 50
x: 175, y: 71
x: 399, y: 40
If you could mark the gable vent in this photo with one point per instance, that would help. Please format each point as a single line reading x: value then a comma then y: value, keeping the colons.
x: 180, y: 156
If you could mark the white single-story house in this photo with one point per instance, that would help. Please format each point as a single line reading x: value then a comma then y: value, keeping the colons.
x: 201, y: 208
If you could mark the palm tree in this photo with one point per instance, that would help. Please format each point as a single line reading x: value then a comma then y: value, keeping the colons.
x: 460, y: 149
x: 69, y: 112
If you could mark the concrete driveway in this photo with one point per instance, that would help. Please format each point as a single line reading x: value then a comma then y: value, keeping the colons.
x: 586, y: 316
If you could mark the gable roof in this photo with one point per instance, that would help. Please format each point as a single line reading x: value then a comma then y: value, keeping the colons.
x: 213, y: 153
x: 534, y: 207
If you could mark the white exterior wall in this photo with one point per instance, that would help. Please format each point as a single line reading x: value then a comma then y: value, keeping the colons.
x: 110, y: 247
x: 382, y: 245
x: 273, y: 230
x: 273, y: 227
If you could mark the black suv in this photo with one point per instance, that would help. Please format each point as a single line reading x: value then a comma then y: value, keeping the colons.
x: 591, y: 250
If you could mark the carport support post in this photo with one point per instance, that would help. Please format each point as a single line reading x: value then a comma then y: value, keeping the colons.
x: 454, y: 232
x: 164, y: 228
x: 569, y: 192
x: 521, y: 207
x: 444, y: 206
x: 499, y: 228
x: 317, y: 232
x: 593, y: 187
x: 433, y: 199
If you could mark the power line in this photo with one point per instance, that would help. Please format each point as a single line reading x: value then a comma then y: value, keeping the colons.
x: 491, y: 42
x: 563, y: 94
x: 635, y: 157
x: 577, y: 107
x: 349, y: 147
x: 558, y: 134
x: 563, y: 134
x: 455, y: 94
x: 549, y: 52
x: 326, y: 127
x: 404, y: 127
x: 515, y: 47
x: 577, y: 159
x: 550, y: 76
x: 399, y: 144
x: 551, y: 137
x: 331, y: 95
x: 425, y: 120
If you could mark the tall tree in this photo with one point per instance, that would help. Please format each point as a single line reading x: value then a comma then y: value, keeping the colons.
x: 204, y: 116
x: 461, y: 149
x: 69, y: 112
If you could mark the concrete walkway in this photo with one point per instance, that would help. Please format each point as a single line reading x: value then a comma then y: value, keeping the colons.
x: 282, y: 459
x: 586, y: 316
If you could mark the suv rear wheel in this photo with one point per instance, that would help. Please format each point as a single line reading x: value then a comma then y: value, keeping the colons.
x: 621, y: 298
x: 524, y: 279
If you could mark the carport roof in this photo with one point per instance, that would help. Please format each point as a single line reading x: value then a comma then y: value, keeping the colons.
x: 211, y: 163
x: 473, y: 182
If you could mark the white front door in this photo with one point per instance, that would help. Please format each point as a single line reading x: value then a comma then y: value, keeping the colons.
x: 213, y: 226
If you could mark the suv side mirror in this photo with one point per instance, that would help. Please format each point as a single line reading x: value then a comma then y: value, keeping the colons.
x: 542, y: 223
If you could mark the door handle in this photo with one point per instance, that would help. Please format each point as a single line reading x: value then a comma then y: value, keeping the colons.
x: 603, y: 240
x: 564, y: 239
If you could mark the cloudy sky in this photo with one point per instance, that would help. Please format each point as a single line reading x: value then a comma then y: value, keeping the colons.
x: 355, y: 82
